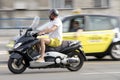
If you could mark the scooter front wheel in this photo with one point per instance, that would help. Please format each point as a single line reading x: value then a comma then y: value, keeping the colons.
x: 16, y: 66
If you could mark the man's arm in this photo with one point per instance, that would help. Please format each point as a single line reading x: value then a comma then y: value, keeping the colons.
x: 48, y: 30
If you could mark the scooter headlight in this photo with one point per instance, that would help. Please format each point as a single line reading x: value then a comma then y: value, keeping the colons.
x: 17, y: 45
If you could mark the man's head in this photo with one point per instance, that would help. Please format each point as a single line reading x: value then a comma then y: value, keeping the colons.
x: 75, y: 24
x: 53, y: 14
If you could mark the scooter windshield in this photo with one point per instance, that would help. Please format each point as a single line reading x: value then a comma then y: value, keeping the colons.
x: 35, y: 22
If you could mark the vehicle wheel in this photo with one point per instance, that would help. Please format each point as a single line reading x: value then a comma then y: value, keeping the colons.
x: 99, y: 56
x: 14, y: 67
x: 79, y: 64
x: 115, y: 51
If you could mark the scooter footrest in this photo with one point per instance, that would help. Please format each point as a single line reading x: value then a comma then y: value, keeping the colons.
x: 40, y: 64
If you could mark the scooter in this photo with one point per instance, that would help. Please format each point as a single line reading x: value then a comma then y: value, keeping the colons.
x: 25, y: 53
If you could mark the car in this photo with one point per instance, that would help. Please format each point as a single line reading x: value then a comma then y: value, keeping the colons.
x: 98, y: 34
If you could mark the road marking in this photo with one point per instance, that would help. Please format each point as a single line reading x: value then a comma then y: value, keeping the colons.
x: 3, y: 52
x: 98, y: 73
x: 102, y: 62
x: 91, y: 73
x: 3, y: 66
x: 4, y: 42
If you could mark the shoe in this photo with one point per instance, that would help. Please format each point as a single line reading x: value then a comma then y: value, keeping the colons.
x: 40, y: 60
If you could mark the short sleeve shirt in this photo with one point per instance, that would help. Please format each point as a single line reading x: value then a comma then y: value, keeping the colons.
x: 58, y: 32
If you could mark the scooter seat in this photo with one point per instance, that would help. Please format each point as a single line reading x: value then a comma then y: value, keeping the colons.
x: 64, y: 45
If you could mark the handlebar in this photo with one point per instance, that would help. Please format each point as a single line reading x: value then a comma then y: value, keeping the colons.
x: 31, y: 32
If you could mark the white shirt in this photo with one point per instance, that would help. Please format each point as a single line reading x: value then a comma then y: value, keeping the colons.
x: 58, y: 32
x: 55, y: 34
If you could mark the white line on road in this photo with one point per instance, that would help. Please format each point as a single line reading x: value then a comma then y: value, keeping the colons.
x: 4, y: 42
x: 97, y: 73
x: 89, y: 73
x: 3, y: 66
x: 3, y: 52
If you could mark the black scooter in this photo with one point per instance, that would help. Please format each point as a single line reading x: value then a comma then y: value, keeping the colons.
x: 25, y: 53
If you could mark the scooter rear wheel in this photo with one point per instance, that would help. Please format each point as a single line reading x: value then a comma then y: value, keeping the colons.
x: 76, y: 66
x: 14, y: 67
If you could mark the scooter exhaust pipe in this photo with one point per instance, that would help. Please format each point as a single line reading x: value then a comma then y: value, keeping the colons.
x: 70, y: 60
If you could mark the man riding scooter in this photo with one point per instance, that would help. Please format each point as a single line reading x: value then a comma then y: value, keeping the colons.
x: 58, y: 54
x: 55, y: 33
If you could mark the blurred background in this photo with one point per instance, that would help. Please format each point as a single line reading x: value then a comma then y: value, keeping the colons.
x: 31, y: 8
x: 26, y: 9
x: 15, y: 14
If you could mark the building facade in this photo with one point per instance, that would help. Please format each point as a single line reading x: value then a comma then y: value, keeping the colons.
x: 31, y: 8
x: 24, y: 8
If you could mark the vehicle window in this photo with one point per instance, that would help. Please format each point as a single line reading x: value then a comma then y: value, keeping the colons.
x: 99, y: 23
x: 73, y: 24
x: 66, y: 25
x: 114, y: 22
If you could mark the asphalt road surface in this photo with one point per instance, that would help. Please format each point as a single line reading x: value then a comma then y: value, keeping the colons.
x: 93, y: 69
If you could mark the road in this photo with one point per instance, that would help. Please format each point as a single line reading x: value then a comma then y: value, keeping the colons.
x: 93, y: 69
